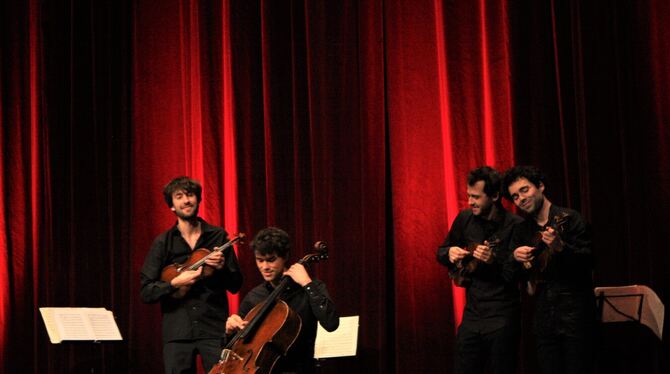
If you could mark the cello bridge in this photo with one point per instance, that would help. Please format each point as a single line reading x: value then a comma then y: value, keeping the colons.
x: 228, y: 354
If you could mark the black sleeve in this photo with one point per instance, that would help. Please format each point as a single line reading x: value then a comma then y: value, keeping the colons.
x: 232, y: 272
x: 229, y: 278
x: 454, y: 238
x: 512, y: 270
x: 253, y: 298
x: 576, y: 240
x: 322, y: 307
x: 152, y: 289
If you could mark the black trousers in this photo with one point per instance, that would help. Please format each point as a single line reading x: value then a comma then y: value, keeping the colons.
x: 179, y: 357
x: 558, y: 354
x: 475, y: 348
x: 565, y: 330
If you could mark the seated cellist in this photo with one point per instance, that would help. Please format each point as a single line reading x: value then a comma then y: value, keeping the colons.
x: 306, y: 296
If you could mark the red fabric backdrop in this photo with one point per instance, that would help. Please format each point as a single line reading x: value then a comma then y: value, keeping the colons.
x: 349, y: 122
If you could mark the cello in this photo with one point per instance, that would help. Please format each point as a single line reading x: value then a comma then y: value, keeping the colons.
x: 271, y: 330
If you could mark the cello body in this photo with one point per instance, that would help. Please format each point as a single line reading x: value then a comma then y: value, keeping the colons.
x: 260, y: 350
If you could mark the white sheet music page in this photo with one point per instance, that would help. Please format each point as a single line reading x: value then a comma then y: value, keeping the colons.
x: 50, y: 323
x: 72, y: 324
x: 339, y: 343
x: 103, y: 325
x: 94, y: 324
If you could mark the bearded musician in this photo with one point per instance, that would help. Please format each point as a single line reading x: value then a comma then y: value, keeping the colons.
x: 489, y: 331
x: 194, y: 308
x: 565, y: 308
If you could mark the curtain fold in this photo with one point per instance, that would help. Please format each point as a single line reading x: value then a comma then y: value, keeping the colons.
x: 183, y: 98
x: 24, y: 185
x: 451, y: 81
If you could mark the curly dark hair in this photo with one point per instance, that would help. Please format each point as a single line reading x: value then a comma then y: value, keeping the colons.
x: 491, y: 179
x: 533, y: 174
x: 271, y: 240
x: 181, y: 183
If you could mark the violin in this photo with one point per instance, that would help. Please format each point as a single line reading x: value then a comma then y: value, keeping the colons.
x: 462, y: 273
x: 195, y: 261
x: 271, y: 330
x: 542, y: 253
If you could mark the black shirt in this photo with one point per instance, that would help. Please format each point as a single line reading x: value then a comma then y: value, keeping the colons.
x: 565, y: 302
x: 492, y: 297
x: 313, y: 305
x: 202, y: 312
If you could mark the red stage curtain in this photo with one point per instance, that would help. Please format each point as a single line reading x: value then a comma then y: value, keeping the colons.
x: 352, y: 122
x: 310, y: 104
x: 25, y: 212
x: 449, y: 111
x: 183, y: 108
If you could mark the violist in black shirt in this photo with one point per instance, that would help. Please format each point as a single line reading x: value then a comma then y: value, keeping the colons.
x: 194, y: 307
x: 552, y: 251
x: 476, y: 252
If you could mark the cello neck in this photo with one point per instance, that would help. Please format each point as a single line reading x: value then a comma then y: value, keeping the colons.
x: 269, y: 302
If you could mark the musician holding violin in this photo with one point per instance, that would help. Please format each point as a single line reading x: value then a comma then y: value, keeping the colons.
x: 193, y: 297
x: 552, y: 251
x: 475, y: 252
x: 305, y: 296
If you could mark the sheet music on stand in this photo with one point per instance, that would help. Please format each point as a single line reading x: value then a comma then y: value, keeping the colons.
x: 631, y: 303
x: 80, y: 324
x: 339, y: 343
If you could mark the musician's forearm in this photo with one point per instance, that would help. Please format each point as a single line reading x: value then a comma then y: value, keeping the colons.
x: 152, y: 292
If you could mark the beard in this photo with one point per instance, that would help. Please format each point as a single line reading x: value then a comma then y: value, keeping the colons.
x: 187, y: 216
x: 536, y: 206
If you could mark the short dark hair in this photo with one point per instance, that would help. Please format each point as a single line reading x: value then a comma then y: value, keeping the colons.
x: 181, y: 183
x: 533, y: 174
x: 491, y: 179
x: 271, y: 240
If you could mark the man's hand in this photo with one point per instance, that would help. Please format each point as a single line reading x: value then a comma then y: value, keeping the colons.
x: 186, y: 278
x: 235, y: 323
x: 483, y: 253
x: 299, y: 274
x: 524, y: 253
x: 552, y: 240
x: 457, y: 254
x: 216, y: 260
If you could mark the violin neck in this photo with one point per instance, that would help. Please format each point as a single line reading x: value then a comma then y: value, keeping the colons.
x: 201, y: 262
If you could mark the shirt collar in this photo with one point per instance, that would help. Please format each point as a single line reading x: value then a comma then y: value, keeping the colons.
x: 204, y: 227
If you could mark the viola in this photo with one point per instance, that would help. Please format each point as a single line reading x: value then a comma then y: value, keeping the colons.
x: 542, y: 253
x: 462, y: 273
x: 196, y: 260
x: 271, y: 330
